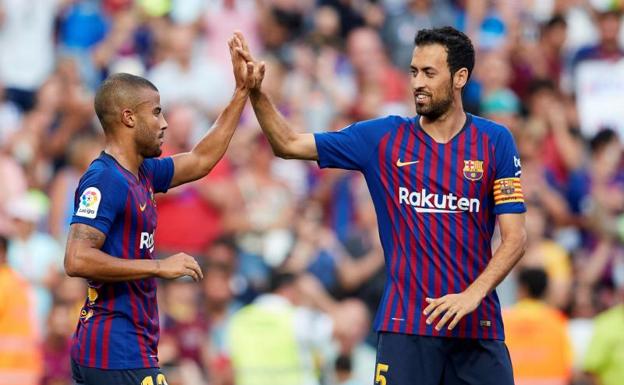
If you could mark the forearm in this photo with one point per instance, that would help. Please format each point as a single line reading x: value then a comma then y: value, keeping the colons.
x: 98, y: 266
x: 272, y: 123
x: 505, y: 258
x: 210, y: 149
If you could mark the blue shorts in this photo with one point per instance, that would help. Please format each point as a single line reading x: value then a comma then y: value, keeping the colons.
x: 404, y: 359
x: 94, y: 376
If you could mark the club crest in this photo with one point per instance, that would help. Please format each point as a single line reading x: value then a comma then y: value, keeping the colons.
x: 473, y: 169
x: 507, y: 187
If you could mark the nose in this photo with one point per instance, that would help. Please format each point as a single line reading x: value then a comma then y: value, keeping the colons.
x: 163, y: 123
x: 418, y: 81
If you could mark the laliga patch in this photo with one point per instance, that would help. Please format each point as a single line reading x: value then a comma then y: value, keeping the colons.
x: 89, y: 203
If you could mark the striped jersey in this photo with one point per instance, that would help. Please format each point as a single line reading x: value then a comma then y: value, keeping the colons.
x: 436, y: 206
x: 118, y: 326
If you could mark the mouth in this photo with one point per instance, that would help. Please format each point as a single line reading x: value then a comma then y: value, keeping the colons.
x: 420, y: 97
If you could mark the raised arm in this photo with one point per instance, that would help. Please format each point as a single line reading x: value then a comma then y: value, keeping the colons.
x: 83, y: 258
x: 286, y: 142
x: 198, y: 162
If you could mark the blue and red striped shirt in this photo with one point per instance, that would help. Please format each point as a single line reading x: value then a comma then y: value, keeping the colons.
x: 436, y: 206
x: 118, y: 326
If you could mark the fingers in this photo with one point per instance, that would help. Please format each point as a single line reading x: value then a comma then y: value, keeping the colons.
x: 435, y: 309
x: 262, y: 68
x: 192, y: 273
x: 245, y: 54
x: 447, y: 316
x: 242, y: 40
x: 194, y: 268
x: 446, y: 306
x: 432, y: 304
x: 458, y: 316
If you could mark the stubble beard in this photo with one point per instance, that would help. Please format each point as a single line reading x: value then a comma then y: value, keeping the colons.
x: 436, y: 108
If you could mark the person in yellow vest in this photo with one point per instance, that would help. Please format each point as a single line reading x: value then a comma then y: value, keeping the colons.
x: 537, y: 336
x: 273, y: 341
x: 21, y: 359
x: 604, y: 358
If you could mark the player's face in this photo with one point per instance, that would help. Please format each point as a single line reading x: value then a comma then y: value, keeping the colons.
x: 151, y: 125
x: 432, y: 84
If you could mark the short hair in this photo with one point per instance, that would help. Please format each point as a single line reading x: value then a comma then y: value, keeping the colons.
x: 117, y: 91
x: 280, y: 279
x: 557, y: 20
x: 534, y: 280
x: 540, y: 84
x: 459, y: 49
x: 602, y: 139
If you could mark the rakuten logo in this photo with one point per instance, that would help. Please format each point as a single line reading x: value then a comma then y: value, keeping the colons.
x: 147, y: 241
x: 424, y: 202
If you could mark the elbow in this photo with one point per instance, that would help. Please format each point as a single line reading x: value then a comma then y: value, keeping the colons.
x: 73, y: 266
x: 70, y: 268
x: 520, y: 240
x: 283, y: 153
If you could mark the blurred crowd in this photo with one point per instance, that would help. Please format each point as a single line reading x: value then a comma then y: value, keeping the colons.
x: 291, y: 255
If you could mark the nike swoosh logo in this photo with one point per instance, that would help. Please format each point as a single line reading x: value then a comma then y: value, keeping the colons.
x: 142, y: 207
x: 401, y: 164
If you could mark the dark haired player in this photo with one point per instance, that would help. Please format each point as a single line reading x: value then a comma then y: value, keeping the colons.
x: 439, y: 182
x: 111, y: 239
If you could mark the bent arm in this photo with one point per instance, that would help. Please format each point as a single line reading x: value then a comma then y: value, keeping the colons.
x: 508, y: 253
x: 197, y: 163
x: 83, y: 258
x: 286, y: 143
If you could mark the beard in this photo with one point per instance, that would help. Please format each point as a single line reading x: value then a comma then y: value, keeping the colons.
x: 148, y: 142
x: 436, y: 107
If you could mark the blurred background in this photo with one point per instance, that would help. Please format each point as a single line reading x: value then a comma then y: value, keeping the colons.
x: 550, y: 70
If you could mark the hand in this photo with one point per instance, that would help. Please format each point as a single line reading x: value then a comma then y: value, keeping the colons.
x: 179, y: 265
x: 239, y: 64
x: 254, y: 73
x: 454, y: 306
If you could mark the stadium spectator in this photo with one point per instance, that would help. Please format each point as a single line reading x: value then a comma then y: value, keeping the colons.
x: 537, y: 334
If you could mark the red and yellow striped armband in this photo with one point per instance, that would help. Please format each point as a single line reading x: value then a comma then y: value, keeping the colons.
x: 508, y: 190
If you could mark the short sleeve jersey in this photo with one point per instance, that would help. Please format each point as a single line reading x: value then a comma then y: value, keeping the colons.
x: 119, y: 326
x: 436, y: 206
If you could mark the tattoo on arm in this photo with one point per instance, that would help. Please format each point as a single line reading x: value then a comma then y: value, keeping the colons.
x: 79, y: 232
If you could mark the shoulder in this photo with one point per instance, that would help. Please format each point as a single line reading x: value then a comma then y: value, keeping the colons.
x: 102, y: 171
x: 390, y: 121
x: 379, y: 126
x: 150, y: 166
x: 610, y: 316
x: 494, y: 131
x: 103, y: 177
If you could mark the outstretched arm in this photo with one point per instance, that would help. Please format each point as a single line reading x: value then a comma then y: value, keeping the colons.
x: 286, y: 143
x: 197, y: 163
x: 83, y: 258
x: 456, y: 306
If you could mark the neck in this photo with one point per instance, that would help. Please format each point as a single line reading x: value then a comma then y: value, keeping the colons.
x: 124, y: 154
x: 446, y: 126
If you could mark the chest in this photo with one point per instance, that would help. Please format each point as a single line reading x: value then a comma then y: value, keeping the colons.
x: 142, y: 205
x: 436, y: 178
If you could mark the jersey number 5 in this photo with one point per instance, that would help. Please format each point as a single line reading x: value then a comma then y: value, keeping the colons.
x: 379, y: 374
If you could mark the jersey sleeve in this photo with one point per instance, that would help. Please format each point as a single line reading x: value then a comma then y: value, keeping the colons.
x: 351, y: 147
x: 507, y: 190
x: 160, y: 172
x: 99, y: 199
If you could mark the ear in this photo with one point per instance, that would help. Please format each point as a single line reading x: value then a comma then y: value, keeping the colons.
x: 460, y: 78
x: 128, y: 118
